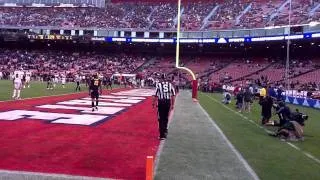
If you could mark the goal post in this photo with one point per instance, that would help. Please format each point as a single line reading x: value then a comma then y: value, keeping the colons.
x: 194, y: 80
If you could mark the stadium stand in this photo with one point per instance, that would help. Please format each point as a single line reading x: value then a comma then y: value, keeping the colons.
x: 156, y: 15
x: 44, y: 62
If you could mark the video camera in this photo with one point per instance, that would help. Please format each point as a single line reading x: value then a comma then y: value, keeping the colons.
x: 294, y: 116
x: 299, y: 117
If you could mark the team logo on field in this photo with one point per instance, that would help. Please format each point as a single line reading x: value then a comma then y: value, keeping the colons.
x: 109, y: 106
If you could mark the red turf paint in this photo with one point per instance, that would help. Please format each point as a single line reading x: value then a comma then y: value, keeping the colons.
x: 114, y: 149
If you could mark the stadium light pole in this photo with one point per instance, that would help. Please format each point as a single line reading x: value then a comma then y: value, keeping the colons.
x: 194, y: 82
x: 287, y: 80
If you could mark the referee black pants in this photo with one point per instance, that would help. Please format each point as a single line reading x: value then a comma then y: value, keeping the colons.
x: 163, y: 116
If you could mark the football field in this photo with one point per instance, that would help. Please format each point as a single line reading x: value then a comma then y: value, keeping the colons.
x: 60, y: 135
x: 268, y: 156
x: 36, y: 89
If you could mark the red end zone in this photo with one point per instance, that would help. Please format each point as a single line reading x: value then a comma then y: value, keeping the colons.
x: 115, y: 147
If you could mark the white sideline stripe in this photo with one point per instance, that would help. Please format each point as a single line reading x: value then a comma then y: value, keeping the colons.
x: 42, y: 97
x: 157, y: 158
x: 311, y: 157
x: 239, y: 156
x: 47, y: 96
x: 294, y: 146
x: 50, y: 175
x: 266, y: 130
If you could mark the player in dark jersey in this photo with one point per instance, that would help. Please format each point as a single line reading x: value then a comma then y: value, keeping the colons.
x: 49, y: 81
x: 24, y: 80
x: 95, y: 89
x: 109, y: 82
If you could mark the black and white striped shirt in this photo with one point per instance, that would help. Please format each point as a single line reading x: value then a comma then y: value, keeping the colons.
x: 165, y: 90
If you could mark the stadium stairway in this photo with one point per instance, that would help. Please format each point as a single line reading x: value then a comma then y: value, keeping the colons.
x: 196, y: 148
x: 275, y: 14
x: 206, y: 19
x: 209, y: 73
x: 302, y: 74
x: 144, y: 65
x: 249, y: 75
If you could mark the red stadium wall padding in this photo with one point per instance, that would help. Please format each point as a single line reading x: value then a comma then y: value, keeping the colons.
x: 194, y: 89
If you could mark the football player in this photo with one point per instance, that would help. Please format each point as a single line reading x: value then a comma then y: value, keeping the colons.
x: 28, y: 79
x: 63, y: 80
x: 109, y: 82
x: 49, y: 81
x: 17, y: 86
x: 95, y: 89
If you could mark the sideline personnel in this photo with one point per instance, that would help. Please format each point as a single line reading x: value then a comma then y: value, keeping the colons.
x: 165, y: 94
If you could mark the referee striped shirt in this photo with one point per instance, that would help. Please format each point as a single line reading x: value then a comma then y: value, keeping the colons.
x: 164, y: 91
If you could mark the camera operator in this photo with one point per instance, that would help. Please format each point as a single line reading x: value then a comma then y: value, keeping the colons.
x: 284, y: 113
x: 293, y: 128
x: 226, y: 98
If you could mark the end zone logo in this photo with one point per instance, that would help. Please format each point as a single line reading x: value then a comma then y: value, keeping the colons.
x: 109, y: 105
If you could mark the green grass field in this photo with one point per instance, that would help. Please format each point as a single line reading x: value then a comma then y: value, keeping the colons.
x: 268, y: 156
x: 37, y: 89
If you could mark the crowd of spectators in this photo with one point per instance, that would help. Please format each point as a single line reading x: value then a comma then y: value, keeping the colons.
x: 299, y: 14
x: 68, y: 63
x: 194, y: 14
x: 225, y: 17
x: 210, y: 71
x: 163, y: 16
x: 259, y: 14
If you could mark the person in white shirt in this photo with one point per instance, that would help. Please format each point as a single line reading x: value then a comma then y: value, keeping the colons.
x: 1, y: 75
x: 63, y: 81
x: 55, y: 80
x: 226, y: 98
x: 17, y: 85
x: 28, y: 79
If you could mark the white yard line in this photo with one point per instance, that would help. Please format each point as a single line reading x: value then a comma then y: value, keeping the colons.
x: 268, y: 131
x: 53, y: 96
x: 8, y: 173
x: 43, y: 97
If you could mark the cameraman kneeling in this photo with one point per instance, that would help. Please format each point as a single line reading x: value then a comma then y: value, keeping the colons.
x: 284, y: 113
x: 291, y: 124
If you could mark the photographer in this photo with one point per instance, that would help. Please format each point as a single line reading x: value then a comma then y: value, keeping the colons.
x: 293, y: 128
x: 284, y: 113
x: 226, y: 98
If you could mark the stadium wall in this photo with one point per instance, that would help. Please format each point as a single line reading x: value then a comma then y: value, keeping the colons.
x: 312, y: 103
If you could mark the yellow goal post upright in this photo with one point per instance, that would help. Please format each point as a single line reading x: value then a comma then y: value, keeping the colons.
x: 194, y: 80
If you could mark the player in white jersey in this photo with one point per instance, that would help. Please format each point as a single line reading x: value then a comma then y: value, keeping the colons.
x: 17, y: 86
x: 63, y: 81
x: 55, y: 80
x: 28, y: 79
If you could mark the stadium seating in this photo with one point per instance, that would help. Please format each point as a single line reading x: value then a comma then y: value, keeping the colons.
x: 154, y: 15
x: 43, y: 62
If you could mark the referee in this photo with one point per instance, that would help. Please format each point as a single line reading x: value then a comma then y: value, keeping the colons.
x: 165, y: 94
